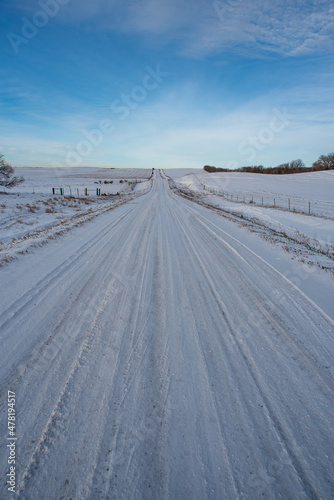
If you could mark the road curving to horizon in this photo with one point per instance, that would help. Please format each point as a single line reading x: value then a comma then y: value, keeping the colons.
x: 154, y: 356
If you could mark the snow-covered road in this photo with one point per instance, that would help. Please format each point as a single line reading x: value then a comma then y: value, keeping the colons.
x: 155, y: 356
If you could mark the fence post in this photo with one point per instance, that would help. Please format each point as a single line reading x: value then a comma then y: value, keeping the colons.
x: 53, y: 190
x: 274, y: 203
x: 289, y: 203
x: 262, y: 200
x: 309, y: 207
x: 86, y: 191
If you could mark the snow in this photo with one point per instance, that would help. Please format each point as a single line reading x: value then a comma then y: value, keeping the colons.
x: 300, y: 189
x: 314, y: 231
x: 177, y: 173
x: 31, y: 214
x: 161, y: 350
x: 41, y: 180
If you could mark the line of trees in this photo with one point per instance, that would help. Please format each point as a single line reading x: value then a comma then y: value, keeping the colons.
x: 324, y: 162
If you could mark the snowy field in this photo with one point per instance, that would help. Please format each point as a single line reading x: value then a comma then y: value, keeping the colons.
x: 161, y: 349
x: 314, y: 188
x: 30, y: 212
x: 42, y: 180
x: 301, y: 233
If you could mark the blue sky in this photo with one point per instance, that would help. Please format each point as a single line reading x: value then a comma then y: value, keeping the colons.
x: 150, y: 83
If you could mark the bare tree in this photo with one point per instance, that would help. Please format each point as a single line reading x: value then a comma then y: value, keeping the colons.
x: 7, y: 178
x: 324, y: 162
x: 296, y: 164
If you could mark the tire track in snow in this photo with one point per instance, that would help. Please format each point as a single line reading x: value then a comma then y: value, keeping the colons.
x: 270, y: 276
x: 123, y: 450
x: 59, y: 412
x: 53, y: 421
x: 43, y: 291
x: 155, y: 392
x: 283, y: 431
x: 63, y: 268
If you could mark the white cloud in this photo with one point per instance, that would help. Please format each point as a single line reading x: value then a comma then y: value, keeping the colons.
x: 201, y: 27
x: 255, y: 28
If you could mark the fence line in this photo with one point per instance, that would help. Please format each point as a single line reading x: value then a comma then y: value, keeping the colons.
x: 268, y: 201
x: 97, y: 191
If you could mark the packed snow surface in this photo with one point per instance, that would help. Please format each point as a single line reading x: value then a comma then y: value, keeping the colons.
x: 159, y: 352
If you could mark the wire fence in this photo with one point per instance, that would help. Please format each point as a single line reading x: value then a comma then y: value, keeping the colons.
x: 322, y: 208
x: 100, y: 190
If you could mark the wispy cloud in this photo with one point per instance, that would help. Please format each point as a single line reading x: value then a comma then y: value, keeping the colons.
x: 201, y: 28
x: 254, y: 28
x: 285, y: 27
x: 231, y: 62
